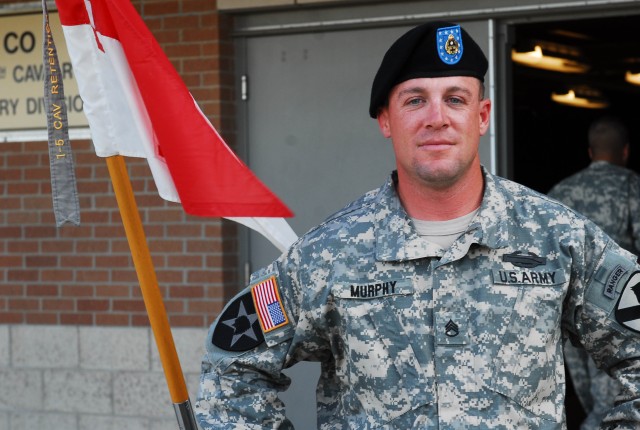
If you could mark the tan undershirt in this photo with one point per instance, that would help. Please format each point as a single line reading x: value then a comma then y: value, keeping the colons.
x: 443, y: 233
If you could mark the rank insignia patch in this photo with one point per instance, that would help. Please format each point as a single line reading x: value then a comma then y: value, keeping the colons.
x: 238, y: 328
x: 268, y: 305
x: 449, y: 40
x: 628, y: 309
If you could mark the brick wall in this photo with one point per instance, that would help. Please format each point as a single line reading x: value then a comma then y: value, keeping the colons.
x: 84, y: 275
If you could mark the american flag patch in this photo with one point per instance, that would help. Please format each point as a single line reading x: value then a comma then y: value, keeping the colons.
x: 269, y: 305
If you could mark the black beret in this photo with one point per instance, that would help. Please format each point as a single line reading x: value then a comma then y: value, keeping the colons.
x: 430, y: 50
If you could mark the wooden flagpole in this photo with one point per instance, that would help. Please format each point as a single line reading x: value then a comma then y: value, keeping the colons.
x: 150, y: 292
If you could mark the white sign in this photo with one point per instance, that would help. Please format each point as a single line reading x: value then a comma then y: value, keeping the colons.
x: 22, y: 74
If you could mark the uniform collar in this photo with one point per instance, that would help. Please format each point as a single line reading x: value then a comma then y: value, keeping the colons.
x: 397, y: 239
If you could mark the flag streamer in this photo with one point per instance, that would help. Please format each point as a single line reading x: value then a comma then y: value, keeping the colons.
x: 64, y: 190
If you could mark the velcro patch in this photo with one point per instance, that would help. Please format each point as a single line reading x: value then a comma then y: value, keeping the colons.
x: 612, y: 281
x: 372, y: 289
x: 268, y: 305
x: 628, y: 308
x: 237, y: 328
x: 528, y: 277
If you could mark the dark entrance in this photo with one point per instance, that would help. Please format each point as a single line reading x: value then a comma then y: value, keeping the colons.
x: 550, y: 138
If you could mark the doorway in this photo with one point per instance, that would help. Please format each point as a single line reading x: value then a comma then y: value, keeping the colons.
x: 550, y: 139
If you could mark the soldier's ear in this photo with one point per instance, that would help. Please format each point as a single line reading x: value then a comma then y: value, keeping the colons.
x: 383, y: 122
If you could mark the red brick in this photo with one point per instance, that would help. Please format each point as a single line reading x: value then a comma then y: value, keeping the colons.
x: 186, y: 261
x: 181, y: 22
x: 93, y: 305
x: 10, y: 261
x: 77, y: 291
x: 81, y: 231
x: 22, y: 246
x: 37, y: 261
x: 10, y: 174
x: 204, y: 246
x: 160, y: 8
x: 112, y: 319
x: 22, y: 275
x: 206, y: 307
x: 10, y: 232
x: 35, y: 232
x: 57, y: 275
x: 196, y: 6
x: 185, y: 291
x: 24, y: 160
x: 12, y: 289
x: 76, y: 319
x: 23, y: 188
x: 41, y: 318
x: 56, y: 246
x: 58, y: 305
x: 128, y: 305
x: 174, y: 306
x: 42, y: 290
x: 186, y: 320
x: 23, y: 304
x: 140, y: 320
x: 113, y: 261
x: 91, y: 246
x: 113, y: 291
x: 94, y: 217
x: 204, y: 276
x: 9, y: 203
x: 92, y: 275
x: 21, y: 218
x: 170, y: 276
x: 11, y: 317
x: 215, y: 291
x: 124, y: 275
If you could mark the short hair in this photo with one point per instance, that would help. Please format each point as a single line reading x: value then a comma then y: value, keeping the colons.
x: 607, y: 135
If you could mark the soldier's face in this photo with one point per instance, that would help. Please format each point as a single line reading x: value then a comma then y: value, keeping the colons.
x: 435, y: 125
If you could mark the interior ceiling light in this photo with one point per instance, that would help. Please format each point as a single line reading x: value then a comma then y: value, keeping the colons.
x: 581, y: 101
x: 632, y: 78
x: 539, y: 60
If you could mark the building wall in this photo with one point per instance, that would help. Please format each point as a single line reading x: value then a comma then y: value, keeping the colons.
x: 84, y: 275
x: 77, y: 377
x: 76, y: 350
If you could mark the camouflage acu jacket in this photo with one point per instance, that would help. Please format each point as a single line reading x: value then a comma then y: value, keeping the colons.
x: 413, y: 337
x: 608, y: 195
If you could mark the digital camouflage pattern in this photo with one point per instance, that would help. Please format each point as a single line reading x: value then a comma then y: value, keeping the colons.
x: 609, y: 195
x: 413, y: 337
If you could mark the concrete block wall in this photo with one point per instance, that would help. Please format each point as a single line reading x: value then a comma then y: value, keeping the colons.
x: 90, y: 378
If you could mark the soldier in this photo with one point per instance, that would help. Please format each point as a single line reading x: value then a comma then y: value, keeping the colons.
x: 608, y: 194
x: 440, y: 299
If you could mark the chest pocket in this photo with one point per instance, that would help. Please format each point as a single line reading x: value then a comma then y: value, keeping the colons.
x: 381, y: 369
x: 528, y: 365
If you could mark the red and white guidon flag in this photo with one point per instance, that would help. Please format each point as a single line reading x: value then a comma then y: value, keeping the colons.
x: 138, y: 106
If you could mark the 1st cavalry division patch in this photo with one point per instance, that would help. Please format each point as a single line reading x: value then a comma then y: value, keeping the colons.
x: 628, y: 308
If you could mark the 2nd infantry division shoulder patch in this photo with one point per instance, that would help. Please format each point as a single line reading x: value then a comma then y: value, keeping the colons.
x: 628, y: 308
x: 237, y: 328
x: 268, y: 304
